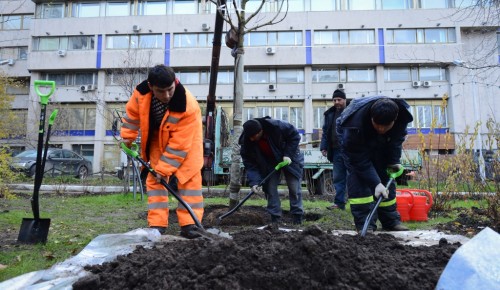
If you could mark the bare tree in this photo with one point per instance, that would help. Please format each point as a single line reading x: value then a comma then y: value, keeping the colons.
x: 241, y: 23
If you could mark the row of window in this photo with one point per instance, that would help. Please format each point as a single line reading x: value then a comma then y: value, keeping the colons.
x: 260, y: 76
x: 287, y: 38
x: 155, y: 7
x: 77, y: 117
x: 290, y: 76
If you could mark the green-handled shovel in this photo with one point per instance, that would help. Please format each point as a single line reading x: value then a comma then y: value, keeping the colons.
x: 278, y: 167
x: 392, y: 175
x: 35, y: 230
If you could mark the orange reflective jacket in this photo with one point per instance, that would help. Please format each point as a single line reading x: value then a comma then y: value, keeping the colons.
x: 180, y: 131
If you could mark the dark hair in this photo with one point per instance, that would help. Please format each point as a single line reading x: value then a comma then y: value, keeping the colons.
x: 161, y: 76
x: 384, y: 111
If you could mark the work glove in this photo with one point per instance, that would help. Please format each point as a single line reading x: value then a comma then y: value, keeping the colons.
x: 395, y: 167
x: 287, y: 160
x: 381, y: 190
x: 128, y: 142
x: 257, y: 189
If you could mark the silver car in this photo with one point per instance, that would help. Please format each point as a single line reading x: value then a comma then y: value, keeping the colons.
x: 59, y: 162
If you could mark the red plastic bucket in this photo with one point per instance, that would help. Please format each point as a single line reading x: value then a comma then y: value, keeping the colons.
x: 404, y: 203
x: 422, y: 202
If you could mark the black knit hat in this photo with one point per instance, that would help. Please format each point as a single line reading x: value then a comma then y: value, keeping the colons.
x: 251, y: 127
x: 338, y: 94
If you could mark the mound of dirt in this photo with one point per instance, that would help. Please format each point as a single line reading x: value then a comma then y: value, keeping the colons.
x: 274, y: 259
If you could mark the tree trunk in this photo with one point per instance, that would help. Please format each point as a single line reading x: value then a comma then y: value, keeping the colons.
x: 235, y: 170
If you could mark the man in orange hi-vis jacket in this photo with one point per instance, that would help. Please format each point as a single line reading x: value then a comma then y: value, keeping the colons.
x: 168, y: 118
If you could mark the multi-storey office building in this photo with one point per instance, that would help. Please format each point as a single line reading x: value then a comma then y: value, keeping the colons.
x: 443, y: 61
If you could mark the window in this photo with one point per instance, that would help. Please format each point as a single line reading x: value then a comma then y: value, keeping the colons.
x: 431, y: 74
x: 428, y: 35
x: 394, y: 4
x: 429, y: 114
x: 225, y: 77
x: 193, y: 40
x: 324, y: 75
x: 86, y: 150
x: 323, y: 5
x: 263, y: 112
x: 121, y: 78
x: 86, y: 9
x: 20, y: 87
x: 256, y: 76
x: 71, y: 79
x: 361, y: 36
x: 397, y: 74
x: 111, y: 157
x: 290, y: 76
x: 118, y: 9
x: 296, y: 117
x: 248, y: 114
x: 153, y: 8
x: 361, y: 5
x: 293, y: 5
x: 185, y: 7
x: 360, y: 75
x: 134, y: 41
x: 50, y: 10
x: 64, y: 42
x: 196, y: 77
x: 75, y: 117
x: 281, y: 113
x: 282, y: 38
x: 14, y: 53
x: 318, y: 115
x: 429, y: 4
x: 15, y: 22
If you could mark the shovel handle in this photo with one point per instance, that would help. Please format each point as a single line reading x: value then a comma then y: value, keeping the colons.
x: 44, y: 98
x: 52, y: 117
x: 133, y: 151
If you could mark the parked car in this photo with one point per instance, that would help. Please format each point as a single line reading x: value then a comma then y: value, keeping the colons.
x: 59, y: 162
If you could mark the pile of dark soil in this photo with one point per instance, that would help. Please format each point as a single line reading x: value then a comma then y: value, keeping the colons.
x: 273, y: 259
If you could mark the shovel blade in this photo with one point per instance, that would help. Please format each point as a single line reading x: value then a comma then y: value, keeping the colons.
x: 34, y: 231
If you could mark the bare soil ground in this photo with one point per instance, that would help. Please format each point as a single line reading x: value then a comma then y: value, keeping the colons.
x: 313, y: 258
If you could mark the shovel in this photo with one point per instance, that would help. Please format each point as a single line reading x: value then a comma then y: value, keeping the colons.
x: 46, y: 147
x: 278, y: 167
x: 36, y: 230
x: 392, y: 175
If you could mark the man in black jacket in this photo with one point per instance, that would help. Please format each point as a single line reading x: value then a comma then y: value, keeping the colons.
x: 371, y: 132
x: 265, y: 142
x: 331, y: 149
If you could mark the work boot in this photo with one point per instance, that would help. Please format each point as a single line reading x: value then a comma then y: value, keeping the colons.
x: 162, y: 230
x: 397, y: 228
x: 297, y: 219
x: 369, y: 231
x: 336, y: 206
x: 190, y: 232
x: 275, y: 219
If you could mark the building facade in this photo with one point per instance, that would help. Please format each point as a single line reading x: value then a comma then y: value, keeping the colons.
x: 437, y: 55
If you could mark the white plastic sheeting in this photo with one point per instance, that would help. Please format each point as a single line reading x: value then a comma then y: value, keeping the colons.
x: 102, y: 249
x: 475, y: 265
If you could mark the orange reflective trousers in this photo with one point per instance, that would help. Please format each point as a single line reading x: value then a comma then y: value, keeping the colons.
x: 189, y: 191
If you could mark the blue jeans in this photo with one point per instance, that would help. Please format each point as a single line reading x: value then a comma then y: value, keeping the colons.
x: 339, y: 178
x: 273, y: 198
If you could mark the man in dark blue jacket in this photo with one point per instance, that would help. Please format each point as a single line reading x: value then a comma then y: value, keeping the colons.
x: 265, y: 142
x: 330, y: 148
x: 371, y: 132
